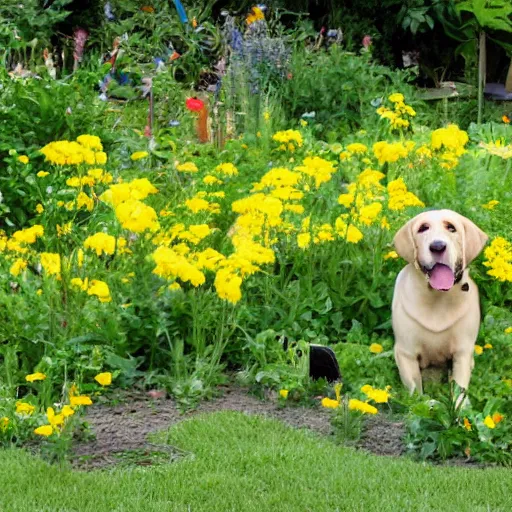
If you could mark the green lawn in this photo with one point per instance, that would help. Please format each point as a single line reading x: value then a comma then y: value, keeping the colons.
x: 247, y: 463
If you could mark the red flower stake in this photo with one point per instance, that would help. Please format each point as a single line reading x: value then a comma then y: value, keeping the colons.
x: 194, y: 104
x: 197, y: 105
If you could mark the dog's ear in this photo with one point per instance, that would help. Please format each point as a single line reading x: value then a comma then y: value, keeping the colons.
x: 404, y: 242
x: 474, y: 241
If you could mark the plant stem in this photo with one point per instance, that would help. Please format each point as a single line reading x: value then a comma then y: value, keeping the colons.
x: 481, y: 74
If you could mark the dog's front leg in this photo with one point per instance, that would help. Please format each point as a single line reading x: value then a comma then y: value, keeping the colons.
x: 409, y: 369
x: 463, y: 363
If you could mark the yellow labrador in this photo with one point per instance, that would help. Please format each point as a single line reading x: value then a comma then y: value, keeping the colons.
x: 436, y: 309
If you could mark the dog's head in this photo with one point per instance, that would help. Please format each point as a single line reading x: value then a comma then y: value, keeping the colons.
x: 441, y: 244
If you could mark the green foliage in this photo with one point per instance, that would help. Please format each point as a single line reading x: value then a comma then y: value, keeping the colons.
x: 447, y: 427
x: 28, y: 28
x: 339, y: 87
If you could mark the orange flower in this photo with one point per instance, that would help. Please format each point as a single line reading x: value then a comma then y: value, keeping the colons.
x: 467, y: 424
x: 506, y: 119
x: 147, y: 8
x: 497, y: 417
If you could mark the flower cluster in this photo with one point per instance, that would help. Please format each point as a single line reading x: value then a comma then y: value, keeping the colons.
x: 367, y: 201
x: 499, y: 259
x: 86, y: 149
x: 289, y: 140
x: 400, y: 115
x: 449, y: 144
x: 390, y: 152
x: 48, y: 422
x: 498, y: 148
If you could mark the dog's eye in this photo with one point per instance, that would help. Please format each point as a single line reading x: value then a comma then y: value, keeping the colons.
x: 450, y: 227
x: 423, y: 228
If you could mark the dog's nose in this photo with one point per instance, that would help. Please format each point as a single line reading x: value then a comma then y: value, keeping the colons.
x: 438, y: 246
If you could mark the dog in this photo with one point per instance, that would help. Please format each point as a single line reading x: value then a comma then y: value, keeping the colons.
x: 436, y: 307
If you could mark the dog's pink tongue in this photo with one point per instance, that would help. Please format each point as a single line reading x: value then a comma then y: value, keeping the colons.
x: 441, y: 277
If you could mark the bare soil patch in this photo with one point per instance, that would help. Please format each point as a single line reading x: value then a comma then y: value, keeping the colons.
x: 121, y: 430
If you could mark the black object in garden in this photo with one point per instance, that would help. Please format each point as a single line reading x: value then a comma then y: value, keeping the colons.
x: 322, y: 362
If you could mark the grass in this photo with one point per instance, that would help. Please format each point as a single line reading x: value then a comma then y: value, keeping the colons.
x: 248, y: 463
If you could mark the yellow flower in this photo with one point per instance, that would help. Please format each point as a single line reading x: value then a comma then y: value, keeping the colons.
x: 357, y: 147
x: 478, y: 350
x: 266, y: 115
x: 396, y: 97
x: 368, y: 214
x: 4, y: 423
x: 67, y: 411
x: 90, y: 142
x: 283, y: 393
x: 83, y: 285
x: 73, y: 182
x: 101, y: 243
x: 303, y: 123
x: 357, y: 405
x: 400, y: 197
x: 211, y: 180
x: 508, y: 330
x: 318, y: 168
x: 137, y: 216
x: 50, y: 263
x: 101, y: 158
x: 44, y: 430
x: 174, y: 287
x: 389, y: 152
x: 376, y: 348
x: 227, y: 284
x: 28, y: 235
x: 487, y: 346
x: 138, y: 155
x: 39, y: 292
x: 451, y: 139
x: 18, y: 266
x: 23, y: 159
x: 489, y: 423
x: 35, y: 376
x: 75, y: 401
x: 391, y: 255
x: 288, y: 136
x: 83, y: 200
x: 171, y: 264
x: 467, y: 424
x: 197, y: 204
x: 329, y: 403
x: 187, y: 167
x: 42, y: 174
x: 65, y: 229
x: 255, y: 15
x: 491, y: 204
x: 227, y: 169
x: 380, y: 396
x: 499, y: 259
x: 99, y: 289
x: 349, y: 232
x: 39, y: 208
x: 24, y: 408
x: 55, y: 420
x: 104, y: 379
